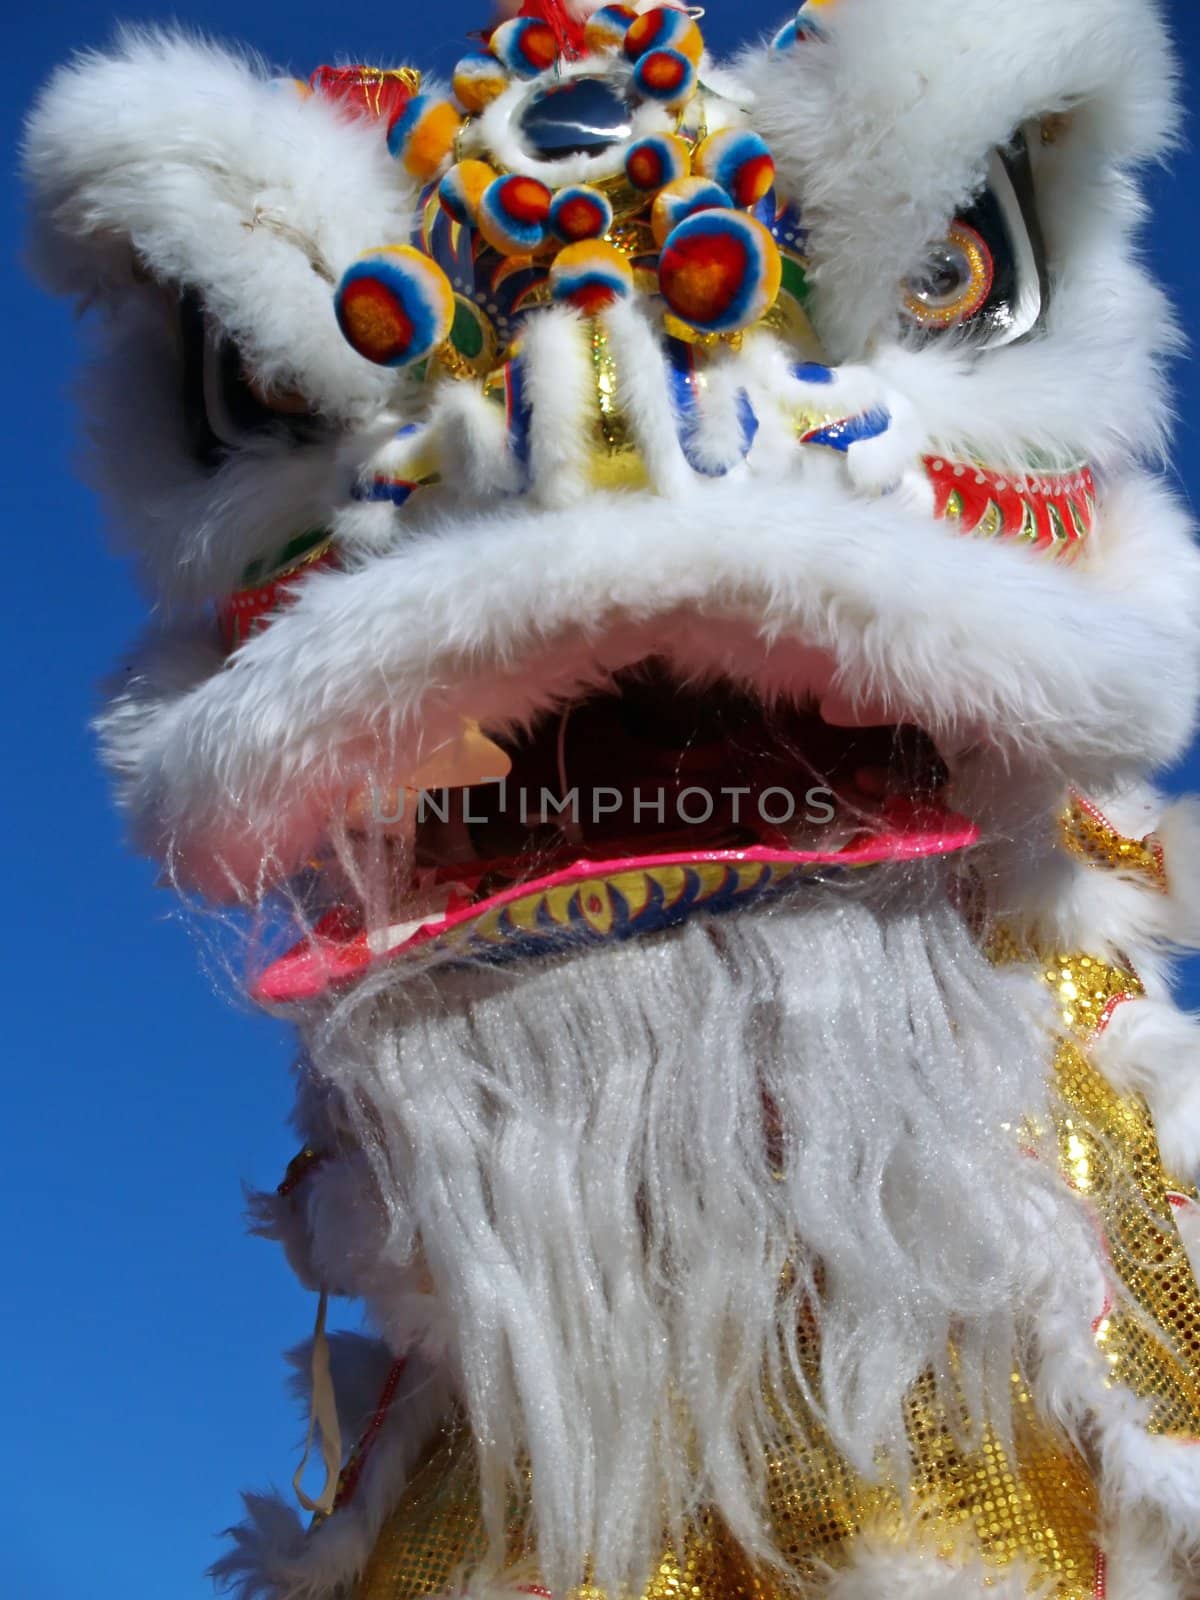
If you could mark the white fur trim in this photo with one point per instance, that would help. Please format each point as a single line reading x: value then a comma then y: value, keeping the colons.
x: 273, y: 1558
x: 880, y: 1568
x: 1150, y: 1048
x: 885, y: 129
x: 745, y: 577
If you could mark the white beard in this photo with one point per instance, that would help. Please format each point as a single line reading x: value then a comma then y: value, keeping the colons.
x: 579, y: 1149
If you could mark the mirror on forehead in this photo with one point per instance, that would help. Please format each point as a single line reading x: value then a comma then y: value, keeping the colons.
x: 577, y: 116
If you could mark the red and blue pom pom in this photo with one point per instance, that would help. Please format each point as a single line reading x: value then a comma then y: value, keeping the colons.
x: 580, y: 212
x: 513, y: 215
x: 683, y: 199
x: 525, y: 46
x: 664, y: 28
x: 590, y: 276
x: 803, y: 27
x: 461, y: 190
x: 666, y: 76
x: 606, y: 29
x: 394, y: 306
x: 741, y: 162
x: 478, y: 80
x: 720, y: 271
x: 423, y: 134
x: 652, y: 163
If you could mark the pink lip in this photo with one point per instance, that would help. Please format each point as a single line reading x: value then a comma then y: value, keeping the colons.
x: 340, y: 949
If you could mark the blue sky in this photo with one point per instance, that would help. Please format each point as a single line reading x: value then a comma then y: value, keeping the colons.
x: 140, y: 1350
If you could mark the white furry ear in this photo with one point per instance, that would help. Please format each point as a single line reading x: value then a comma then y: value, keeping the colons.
x: 883, y: 124
x: 175, y: 159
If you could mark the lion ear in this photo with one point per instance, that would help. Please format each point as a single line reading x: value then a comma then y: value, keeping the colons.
x: 884, y: 129
x: 174, y: 159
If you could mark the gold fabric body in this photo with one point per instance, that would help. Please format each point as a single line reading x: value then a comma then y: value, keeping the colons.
x: 1039, y: 1505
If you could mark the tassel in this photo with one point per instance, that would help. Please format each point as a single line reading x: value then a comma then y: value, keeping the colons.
x: 322, y: 1414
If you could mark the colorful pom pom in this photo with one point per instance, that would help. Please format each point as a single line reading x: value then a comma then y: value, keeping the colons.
x: 478, y: 80
x: 590, y: 275
x: 606, y: 29
x: 720, y: 271
x: 461, y: 190
x: 513, y: 214
x: 423, y: 135
x: 654, y: 162
x: 580, y: 212
x: 394, y: 305
x: 664, y: 28
x: 803, y: 27
x: 525, y: 46
x: 666, y: 76
x: 683, y: 199
x: 741, y: 162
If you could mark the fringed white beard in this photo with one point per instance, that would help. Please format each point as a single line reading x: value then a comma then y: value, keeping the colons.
x: 633, y: 1174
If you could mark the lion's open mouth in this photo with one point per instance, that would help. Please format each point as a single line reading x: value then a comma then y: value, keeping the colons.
x: 628, y: 811
x: 655, y: 766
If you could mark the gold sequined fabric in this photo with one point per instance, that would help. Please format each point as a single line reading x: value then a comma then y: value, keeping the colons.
x: 1038, y: 1507
x: 1089, y: 836
x: 1035, y: 1503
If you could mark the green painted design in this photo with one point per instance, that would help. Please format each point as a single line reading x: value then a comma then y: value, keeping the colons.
x: 267, y: 567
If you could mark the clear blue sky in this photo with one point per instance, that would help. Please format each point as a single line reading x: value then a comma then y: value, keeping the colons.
x: 140, y: 1346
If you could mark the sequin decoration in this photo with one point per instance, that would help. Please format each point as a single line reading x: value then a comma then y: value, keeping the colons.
x: 1051, y: 512
x: 1089, y: 836
x: 580, y: 212
x: 1109, y: 1154
x: 525, y: 46
x: 422, y: 136
x: 478, y: 80
x: 606, y: 28
x: 657, y: 160
x: 720, y: 271
x: 394, y: 305
x: 1042, y: 1511
x: 681, y: 200
x: 740, y: 162
x: 590, y: 276
x: 666, y: 76
x: 513, y: 213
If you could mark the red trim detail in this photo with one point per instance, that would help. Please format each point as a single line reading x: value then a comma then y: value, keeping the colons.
x: 339, y: 948
x: 364, y: 91
x: 353, y: 1470
x: 1057, y: 505
x: 248, y: 611
x: 1100, y: 1590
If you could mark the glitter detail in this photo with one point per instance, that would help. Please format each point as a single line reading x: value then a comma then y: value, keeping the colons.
x: 1043, y: 1512
x: 1089, y: 836
x: 1108, y: 1152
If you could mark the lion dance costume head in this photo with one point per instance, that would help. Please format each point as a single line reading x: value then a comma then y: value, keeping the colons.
x: 664, y: 618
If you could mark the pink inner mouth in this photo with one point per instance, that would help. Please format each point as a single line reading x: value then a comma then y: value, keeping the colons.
x: 629, y: 811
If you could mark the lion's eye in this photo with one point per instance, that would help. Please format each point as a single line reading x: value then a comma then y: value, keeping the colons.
x: 954, y: 282
x: 988, y: 276
x: 225, y: 406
